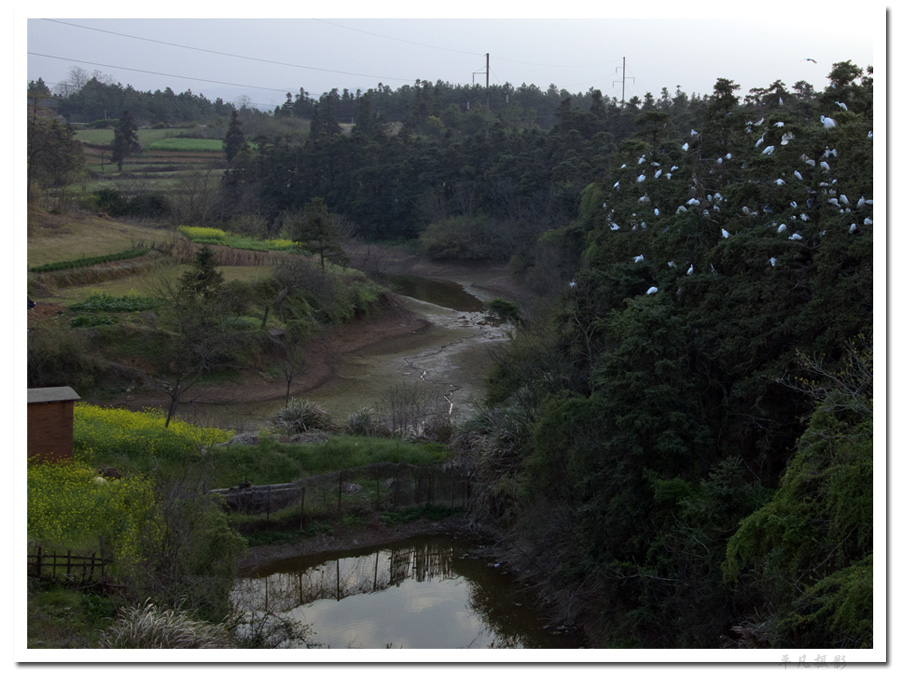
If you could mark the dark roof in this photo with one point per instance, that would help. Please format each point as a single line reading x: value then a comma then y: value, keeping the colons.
x: 45, y: 395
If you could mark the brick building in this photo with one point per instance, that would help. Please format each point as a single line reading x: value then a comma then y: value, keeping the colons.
x: 50, y: 414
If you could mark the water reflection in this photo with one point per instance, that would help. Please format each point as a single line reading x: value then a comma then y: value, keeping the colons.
x: 422, y: 593
x: 440, y: 292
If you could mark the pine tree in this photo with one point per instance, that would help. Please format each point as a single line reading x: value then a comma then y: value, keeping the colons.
x: 235, y: 140
x: 125, y: 139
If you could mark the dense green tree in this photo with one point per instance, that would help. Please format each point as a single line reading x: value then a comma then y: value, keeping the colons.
x: 55, y: 157
x: 125, y: 139
x: 315, y: 230
x: 235, y: 140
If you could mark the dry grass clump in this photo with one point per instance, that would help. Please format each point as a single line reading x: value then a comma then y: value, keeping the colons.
x: 148, y: 626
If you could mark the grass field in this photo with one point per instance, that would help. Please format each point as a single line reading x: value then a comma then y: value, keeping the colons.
x: 147, y: 137
x: 60, y: 238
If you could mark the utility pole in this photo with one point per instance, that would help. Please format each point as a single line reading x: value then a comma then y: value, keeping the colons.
x: 487, y: 94
x: 623, y: 80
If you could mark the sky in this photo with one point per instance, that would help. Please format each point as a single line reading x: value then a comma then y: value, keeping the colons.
x: 259, y: 60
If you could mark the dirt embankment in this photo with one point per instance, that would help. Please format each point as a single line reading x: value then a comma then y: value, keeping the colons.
x: 389, y: 321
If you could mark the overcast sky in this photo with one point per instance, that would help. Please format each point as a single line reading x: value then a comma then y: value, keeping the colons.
x: 263, y: 59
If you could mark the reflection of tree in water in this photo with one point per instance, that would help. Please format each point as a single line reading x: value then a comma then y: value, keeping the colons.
x: 506, y: 613
x: 342, y: 577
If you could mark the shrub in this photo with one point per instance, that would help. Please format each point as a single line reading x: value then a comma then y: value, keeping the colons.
x: 99, y: 301
x: 302, y: 415
x: 364, y: 423
x: 149, y: 626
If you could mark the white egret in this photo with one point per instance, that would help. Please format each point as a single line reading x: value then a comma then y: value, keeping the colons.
x: 668, y: 175
x: 793, y: 204
x: 761, y: 120
x: 772, y: 261
x: 657, y: 212
x: 747, y: 211
x: 615, y: 226
x: 604, y: 205
x: 782, y: 228
x: 853, y: 228
x: 685, y: 147
x: 641, y: 160
x: 572, y: 285
x: 834, y: 201
x: 861, y: 202
x: 795, y: 237
x: 693, y: 202
x: 675, y: 168
x: 623, y: 166
x: 640, y: 178
x: 616, y: 185
x: 869, y: 135
x: 638, y: 259
x: 778, y: 125
x: 644, y: 198
x: 787, y: 138
x: 779, y: 181
x: 768, y: 150
x: 844, y: 200
x: 652, y: 289
x: 760, y: 141
x: 867, y: 221
x: 841, y: 105
x: 728, y: 156
x: 724, y: 233
x: 804, y: 217
x: 690, y: 271
x: 808, y: 59
x: 824, y: 165
x: 693, y: 132
x: 827, y: 122
x: 658, y: 173
x: 671, y: 264
x: 798, y: 174
x: 719, y: 161
x: 681, y: 209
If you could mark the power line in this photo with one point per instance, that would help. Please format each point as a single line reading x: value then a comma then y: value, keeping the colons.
x: 151, y: 72
x: 387, y: 37
x: 234, y: 56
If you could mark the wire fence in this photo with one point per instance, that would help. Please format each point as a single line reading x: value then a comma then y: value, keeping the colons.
x: 378, y: 487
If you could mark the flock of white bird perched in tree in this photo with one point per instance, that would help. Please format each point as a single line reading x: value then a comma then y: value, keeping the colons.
x: 711, y: 203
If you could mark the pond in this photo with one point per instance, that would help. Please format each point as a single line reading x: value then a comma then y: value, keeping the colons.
x: 425, y: 592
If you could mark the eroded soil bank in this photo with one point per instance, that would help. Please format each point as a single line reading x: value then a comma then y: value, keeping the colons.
x: 351, y: 366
